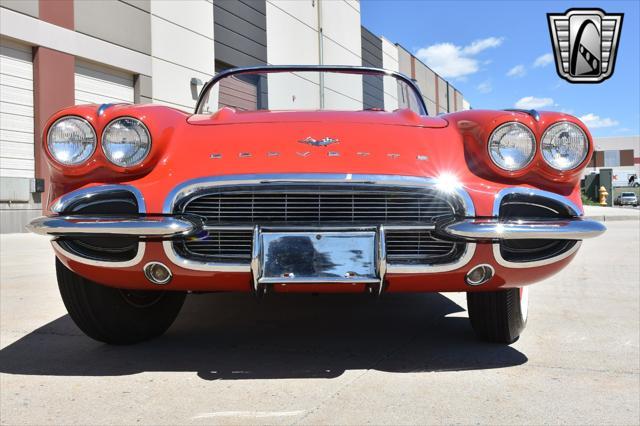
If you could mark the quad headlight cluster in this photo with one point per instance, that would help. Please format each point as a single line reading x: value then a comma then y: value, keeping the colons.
x: 512, y: 146
x: 126, y: 141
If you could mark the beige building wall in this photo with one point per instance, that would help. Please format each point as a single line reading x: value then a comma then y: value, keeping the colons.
x: 390, y: 61
x: 182, y: 49
x: 319, y: 32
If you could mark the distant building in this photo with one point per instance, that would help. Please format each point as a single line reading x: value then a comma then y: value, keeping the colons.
x: 619, y: 153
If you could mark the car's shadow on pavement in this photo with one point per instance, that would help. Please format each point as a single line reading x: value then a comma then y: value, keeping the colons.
x: 231, y: 336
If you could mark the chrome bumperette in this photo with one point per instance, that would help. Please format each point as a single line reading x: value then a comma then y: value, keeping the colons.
x: 517, y: 265
x: 585, y: 228
x: 576, y: 211
x: 63, y: 202
x: 143, y: 226
x: 493, y: 229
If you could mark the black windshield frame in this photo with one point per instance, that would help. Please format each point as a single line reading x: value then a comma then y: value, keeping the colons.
x: 344, y: 69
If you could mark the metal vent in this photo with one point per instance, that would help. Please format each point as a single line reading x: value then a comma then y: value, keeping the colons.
x: 221, y: 246
x: 318, y: 205
x: 420, y: 247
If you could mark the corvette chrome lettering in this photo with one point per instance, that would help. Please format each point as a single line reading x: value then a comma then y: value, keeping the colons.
x: 304, y: 154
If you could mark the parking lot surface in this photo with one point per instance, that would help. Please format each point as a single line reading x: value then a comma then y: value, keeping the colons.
x: 304, y: 359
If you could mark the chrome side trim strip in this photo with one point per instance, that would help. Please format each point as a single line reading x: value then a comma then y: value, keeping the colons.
x: 470, y: 250
x: 532, y: 112
x: 563, y: 229
x: 144, y: 226
x: 124, y: 264
x: 534, y: 192
x: 61, y: 204
x: 202, y: 266
x: 501, y: 261
x: 103, y: 107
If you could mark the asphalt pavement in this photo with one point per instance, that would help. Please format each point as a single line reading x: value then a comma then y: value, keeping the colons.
x: 331, y: 359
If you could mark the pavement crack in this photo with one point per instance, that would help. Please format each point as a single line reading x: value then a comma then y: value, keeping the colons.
x: 584, y: 370
x: 375, y: 363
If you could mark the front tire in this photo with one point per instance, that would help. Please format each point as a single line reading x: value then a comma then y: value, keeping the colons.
x: 498, y: 316
x: 115, y: 316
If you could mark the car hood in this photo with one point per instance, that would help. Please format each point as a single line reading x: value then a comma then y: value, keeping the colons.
x: 404, y: 117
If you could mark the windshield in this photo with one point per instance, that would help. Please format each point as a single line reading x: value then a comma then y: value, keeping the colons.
x: 312, y: 89
x: 628, y: 194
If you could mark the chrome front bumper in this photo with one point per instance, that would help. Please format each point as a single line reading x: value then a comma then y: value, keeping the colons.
x: 493, y: 229
x: 139, y: 226
x: 166, y: 227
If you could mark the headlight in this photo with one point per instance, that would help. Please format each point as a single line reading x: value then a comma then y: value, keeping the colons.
x: 126, y: 142
x: 564, y: 146
x: 512, y: 146
x: 71, y: 140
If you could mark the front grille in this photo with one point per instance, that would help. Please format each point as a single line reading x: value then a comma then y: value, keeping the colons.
x: 221, y: 246
x: 318, y: 205
x: 309, y: 206
x: 419, y: 247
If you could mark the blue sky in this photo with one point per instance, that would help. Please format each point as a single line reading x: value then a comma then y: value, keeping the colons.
x: 498, y: 55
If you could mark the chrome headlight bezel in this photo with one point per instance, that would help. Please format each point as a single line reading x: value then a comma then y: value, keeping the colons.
x: 86, y: 156
x: 531, y: 156
x: 586, y: 146
x: 104, y: 143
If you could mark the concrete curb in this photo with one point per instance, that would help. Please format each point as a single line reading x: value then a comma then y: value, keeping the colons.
x: 610, y: 214
x: 605, y: 218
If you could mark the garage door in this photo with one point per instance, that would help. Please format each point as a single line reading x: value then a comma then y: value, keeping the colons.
x: 16, y: 110
x: 97, y: 84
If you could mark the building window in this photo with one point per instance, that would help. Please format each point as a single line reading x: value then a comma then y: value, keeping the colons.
x: 612, y: 158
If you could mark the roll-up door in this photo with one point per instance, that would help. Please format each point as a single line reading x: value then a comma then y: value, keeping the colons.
x: 96, y: 84
x: 16, y: 110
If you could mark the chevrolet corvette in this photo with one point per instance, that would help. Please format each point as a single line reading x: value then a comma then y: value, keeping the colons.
x: 284, y: 179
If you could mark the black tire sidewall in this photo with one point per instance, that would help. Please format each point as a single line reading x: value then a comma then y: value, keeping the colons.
x: 104, y: 314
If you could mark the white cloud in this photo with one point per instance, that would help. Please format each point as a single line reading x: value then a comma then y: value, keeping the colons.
x: 485, y: 87
x: 451, y: 61
x: 478, y: 46
x: 517, y: 71
x: 531, y: 102
x: 595, y: 121
x: 543, y: 60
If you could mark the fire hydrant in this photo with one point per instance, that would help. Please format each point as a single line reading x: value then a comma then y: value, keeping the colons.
x: 603, y: 196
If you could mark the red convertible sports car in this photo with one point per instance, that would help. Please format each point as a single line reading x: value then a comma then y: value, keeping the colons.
x: 289, y: 179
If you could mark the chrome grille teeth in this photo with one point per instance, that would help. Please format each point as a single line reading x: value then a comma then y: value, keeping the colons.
x: 294, y: 206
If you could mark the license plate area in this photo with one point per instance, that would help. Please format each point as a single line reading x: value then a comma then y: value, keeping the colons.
x: 318, y: 257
